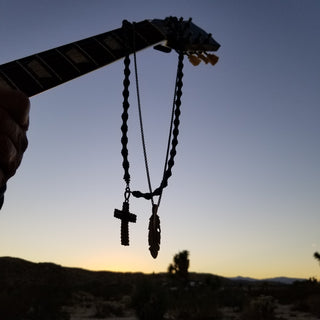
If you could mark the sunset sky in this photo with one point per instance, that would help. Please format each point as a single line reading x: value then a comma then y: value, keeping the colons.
x: 244, y: 198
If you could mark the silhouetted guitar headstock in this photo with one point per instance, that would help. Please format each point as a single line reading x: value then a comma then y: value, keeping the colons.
x: 185, y: 36
x: 39, y: 72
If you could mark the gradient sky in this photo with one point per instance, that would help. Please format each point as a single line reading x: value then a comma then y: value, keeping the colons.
x: 244, y: 197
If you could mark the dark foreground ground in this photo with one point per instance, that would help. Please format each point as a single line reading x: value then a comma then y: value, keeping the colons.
x: 45, y: 291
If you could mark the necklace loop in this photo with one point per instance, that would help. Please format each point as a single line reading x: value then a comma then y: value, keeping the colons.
x: 175, y: 122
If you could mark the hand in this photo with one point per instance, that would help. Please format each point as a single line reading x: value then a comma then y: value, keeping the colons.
x: 14, y: 122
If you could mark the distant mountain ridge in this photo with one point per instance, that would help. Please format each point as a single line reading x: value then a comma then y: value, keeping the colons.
x: 284, y: 280
x: 13, y: 268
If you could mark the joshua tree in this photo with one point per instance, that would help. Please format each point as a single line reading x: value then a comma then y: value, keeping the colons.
x: 180, y: 264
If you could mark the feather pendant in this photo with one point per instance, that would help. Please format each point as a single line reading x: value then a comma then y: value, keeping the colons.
x: 154, y: 232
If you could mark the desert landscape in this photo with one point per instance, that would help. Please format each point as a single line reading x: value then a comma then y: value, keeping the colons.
x: 46, y: 291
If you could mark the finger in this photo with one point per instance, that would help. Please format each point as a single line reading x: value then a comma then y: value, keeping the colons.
x: 17, y: 105
x: 10, y: 128
x: 10, y: 158
x: 2, y: 179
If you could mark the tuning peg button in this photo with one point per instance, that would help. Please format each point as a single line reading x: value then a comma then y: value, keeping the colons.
x: 194, y: 59
x: 213, y: 59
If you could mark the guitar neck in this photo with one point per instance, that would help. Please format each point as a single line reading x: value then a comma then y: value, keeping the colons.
x: 45, y: 70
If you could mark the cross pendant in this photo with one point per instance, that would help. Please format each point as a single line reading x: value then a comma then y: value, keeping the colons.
x: 125, y: 216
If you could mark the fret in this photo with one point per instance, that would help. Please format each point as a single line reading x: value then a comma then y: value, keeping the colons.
x: 59, y: 64
x: 67, y: 55
x: 47, y: 66
x: 123, y: 37
x: 149, y: 32
x: 21, y: 79
x: 112, y: 44
x: 140, y: 37
x: 77, y: 58
x: 120, y: 41
x: 30, y: 74
x: 5, y: 82
x: 100, y: 51
x: 40, y: 71
x: 86, y: 54
x: 127, y: 41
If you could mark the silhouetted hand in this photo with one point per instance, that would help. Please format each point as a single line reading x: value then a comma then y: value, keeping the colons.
x: 14, y: 122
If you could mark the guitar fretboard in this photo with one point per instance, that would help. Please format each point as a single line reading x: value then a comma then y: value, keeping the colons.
x: 47, y: 69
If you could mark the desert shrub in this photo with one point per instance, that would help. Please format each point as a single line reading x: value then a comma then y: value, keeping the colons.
x: 305, y: 296
x: 149, y: 300
x: 33, y: 303
x: 309, y: 303
x: 196, y: 310
x: 260, y: 308
x: 313, y: 303
x: 108, y: 290
x: 14, y: 303
x: 48, y: 304
x: 109, y: 309
x: 197, y: 303
x: 234, y: 298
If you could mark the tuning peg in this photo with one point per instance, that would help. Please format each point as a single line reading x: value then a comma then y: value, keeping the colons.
x: 203, y: 58
x: 186, y: 24
x: 213, y: 59
x: 194, y: 59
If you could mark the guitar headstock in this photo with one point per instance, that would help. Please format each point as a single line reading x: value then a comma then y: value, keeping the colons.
x: 184, y: 36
